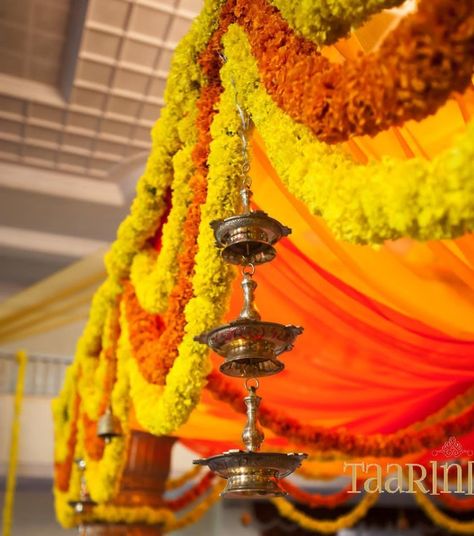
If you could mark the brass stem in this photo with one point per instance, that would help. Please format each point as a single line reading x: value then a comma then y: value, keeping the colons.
x: 252, y: 435
x: 249, y: 312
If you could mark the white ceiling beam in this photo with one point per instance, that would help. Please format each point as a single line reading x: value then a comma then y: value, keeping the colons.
x: 48, y: 243
x: 54, y: 183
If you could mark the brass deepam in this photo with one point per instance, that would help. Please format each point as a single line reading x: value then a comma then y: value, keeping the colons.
x: 250, y: 346
x: 248, y: 237
x: 250, y: 473
x: 84, y: 504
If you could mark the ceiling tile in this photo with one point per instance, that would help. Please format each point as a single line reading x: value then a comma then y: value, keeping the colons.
x: 51, y: 18
x: 111, y: 12
x: 116, y: 128
x: 123, y: 106
x: 11, y: 127
x: 42, y: 134
x: 165, y: 60
x: 11, y: 105
x: 149, y: 21
x: 101, y: 165
x: 47, y: 48
x: 194, y: 6
x: 157, y: 87
x: 150, y: 112
x: 110, y: 147
x: 134, y: 82
x: 12, y: 63
x: 73, y: 159
x: 43, y: 71
x: 92, y: 71
x: 76, y: 140
x: 179, y: 28
x: 101, y: 43
x: 16, y: 11
x: 139, y: 53
x: 46, y: 113
x: 10, y: 147
x: 40, y: 153
x: 84, y: 121
x: 142, y: 134
x: 88, y: 98
x: 13, y: 37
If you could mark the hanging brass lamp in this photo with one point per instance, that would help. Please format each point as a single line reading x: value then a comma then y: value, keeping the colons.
x: 250, y: 346
x: 84, y: 504
x: 108, y: 426
x: 251, y: 473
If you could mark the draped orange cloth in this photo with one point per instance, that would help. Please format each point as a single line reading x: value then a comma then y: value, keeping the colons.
x: 389, y: 332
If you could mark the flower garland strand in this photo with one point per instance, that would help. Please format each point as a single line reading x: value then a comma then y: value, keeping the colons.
x: 178, y: 482
x: 326, y: 22
x: 191, y: 494
x: 423, y: 200
x: 390, y: 445
x: 211, y: 279
x: 103, y: 476
x: 456, y: 504
x: 109, y: 513
x: 9, y: 499
x: 315, y: 500
x: 440, y: 518
x: 429, y: 55
x: 288, y: 511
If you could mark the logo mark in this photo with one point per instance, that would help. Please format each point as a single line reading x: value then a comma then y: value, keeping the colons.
x: 452, y: 449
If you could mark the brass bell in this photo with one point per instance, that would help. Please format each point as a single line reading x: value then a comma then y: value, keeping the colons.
x: 108, y: 426
x: 248, y: 237
x: 250, y: 346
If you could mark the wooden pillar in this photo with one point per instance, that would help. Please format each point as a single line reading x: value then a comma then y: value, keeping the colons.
x: 143, y: 483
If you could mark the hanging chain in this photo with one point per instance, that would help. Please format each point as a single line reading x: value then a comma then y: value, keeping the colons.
x: 243, y: 134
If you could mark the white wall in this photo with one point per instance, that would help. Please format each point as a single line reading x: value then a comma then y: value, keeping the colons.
x: 36, y: 436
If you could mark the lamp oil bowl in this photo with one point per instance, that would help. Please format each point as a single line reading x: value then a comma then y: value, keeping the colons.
x: 248, y: 238
x: 250, y: 346
x: 252, y: 474
x: 108, y: 426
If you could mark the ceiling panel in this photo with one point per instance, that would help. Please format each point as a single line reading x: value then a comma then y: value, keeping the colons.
x: 122, y: 62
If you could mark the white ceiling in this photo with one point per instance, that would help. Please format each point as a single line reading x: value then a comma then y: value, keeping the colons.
x: 81, y: 84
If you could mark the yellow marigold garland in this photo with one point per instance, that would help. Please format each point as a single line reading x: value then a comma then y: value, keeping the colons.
x: 325, y: 22
x: 440, y: 518
x: 211, y: 285
x: 153, y: 274
x: 63, y: 413
x: 153, y: 516
x: 365, y: 204
x: 103, y: 476
x: 287, y: 510
x: 9, y: 499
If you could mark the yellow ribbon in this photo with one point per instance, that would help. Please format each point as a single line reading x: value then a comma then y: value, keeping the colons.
x: 22, y: 360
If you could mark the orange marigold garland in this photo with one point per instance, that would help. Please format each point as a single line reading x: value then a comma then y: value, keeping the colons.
x: 390, y: 445
x: 428, y: 56
x: 191, y: 494
x: 315, y: 500
x: 154, y: 340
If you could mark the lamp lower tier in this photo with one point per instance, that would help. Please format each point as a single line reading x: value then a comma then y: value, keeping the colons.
x: 253, y: 474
